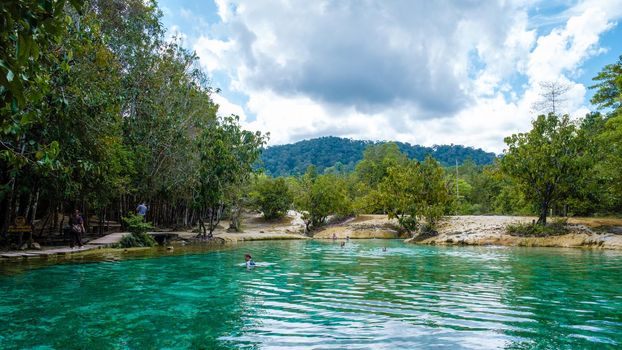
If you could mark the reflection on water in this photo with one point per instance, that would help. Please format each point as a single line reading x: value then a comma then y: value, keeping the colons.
x: 319, y: 295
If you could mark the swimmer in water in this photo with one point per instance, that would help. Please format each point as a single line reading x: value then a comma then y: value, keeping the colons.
x: 384, y: 249
x: 343, y: 244
x: 249, y: 261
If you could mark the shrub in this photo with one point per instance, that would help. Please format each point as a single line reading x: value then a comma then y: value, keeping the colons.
x: 136, y: 224
x: 137, y: 240
x: 138, y: 236
x: 525, y: 229
x: 555, y: 228
x: 428, y: 230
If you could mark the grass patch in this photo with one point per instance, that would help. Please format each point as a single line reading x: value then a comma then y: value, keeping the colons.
x: 556, y: 227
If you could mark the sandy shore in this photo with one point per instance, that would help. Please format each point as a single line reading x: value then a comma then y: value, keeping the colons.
x: 255, y: 228
x: 491, y: 230
x: 604, y: 233
x: 362, y: 227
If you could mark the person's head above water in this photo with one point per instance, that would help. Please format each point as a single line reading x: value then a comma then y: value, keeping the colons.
x: 247, y: 257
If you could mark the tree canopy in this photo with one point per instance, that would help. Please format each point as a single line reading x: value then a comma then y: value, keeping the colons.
x: 100, y: 111
x: 335, y: 154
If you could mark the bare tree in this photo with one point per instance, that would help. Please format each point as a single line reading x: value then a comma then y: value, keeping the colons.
x: 552, y: 96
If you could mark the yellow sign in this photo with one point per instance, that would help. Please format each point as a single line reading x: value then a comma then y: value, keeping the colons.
x: 20, y: 225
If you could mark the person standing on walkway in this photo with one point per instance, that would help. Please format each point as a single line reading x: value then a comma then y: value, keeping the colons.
x: 76, y: 224
x: 142, y: 210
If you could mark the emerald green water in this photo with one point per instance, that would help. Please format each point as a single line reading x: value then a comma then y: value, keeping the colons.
x: 319, y: 295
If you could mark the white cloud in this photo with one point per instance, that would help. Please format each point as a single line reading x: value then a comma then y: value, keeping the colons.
x: 421, y: 72
x: 226, y: 108
x: 213, y: 52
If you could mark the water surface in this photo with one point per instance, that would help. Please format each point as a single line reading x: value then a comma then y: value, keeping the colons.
x: 319, y: 295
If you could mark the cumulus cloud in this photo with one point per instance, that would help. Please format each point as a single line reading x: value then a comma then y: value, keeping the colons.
x: 423, y: 72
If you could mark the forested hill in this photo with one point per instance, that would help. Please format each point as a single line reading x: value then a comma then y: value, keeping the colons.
x: 342, y: 155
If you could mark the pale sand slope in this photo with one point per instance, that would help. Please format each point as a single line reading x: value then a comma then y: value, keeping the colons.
x: 469, y: 230
x: 255, y: 228
x: 490, y: 230
x: 363, y: 226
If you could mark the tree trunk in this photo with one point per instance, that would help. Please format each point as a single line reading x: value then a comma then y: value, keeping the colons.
x: 235, y: 221
x: 34, y: 208
x: 45, y: 222
x: 9, y: 208
x: 544, y: 210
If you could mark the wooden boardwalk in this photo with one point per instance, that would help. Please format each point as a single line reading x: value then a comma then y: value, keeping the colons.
x: 109, y: 240
x: 47, y: 252
x: 105, y: 241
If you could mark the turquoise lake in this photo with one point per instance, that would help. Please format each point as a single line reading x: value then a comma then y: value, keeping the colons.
x: 317, y: 295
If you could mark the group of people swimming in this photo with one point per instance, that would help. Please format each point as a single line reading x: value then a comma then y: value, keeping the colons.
x: 343, y: 243
x: 250, y: 263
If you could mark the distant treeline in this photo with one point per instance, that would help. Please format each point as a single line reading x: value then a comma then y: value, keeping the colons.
x: 335, y: 154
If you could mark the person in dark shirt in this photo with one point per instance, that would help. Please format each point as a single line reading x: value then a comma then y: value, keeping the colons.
x: 76, y: 225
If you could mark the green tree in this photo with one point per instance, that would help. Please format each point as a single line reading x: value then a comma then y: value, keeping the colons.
x: 545, y: 162
x: 608, y: 97
x: 27, y: 28
x: 612, y: 162
x: 377, y: 159
x: 400, y: 193
x: 415, y: 191
x: 272, y: 197
x: 29, y: 32
x: 371, y: 171
x: 434, y: 193
x: 609, y: 87
x: 319, y: 196
x: 227, y: 155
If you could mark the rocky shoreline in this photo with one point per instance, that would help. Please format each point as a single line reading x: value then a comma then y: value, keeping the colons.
x: 491, y: 230
x: 484, y: 230
x: 601, y: 233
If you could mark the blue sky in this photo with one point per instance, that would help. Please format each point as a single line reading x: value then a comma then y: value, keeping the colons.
x: 420, y: 72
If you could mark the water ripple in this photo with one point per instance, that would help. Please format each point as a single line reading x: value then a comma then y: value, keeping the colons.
x: 321, y: 296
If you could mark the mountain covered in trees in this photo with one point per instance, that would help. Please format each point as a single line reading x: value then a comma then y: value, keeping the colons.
x: 335, y: 154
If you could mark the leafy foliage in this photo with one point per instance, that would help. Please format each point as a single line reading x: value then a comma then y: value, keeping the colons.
x: 138, y: 236
x: 608, y: 97
x: 134, y: 240
x: 28, y: 27
x: 226, y: 157
x: 415, y: 190
x: 319, y: 196
x: 272, y: 197
x: 546, y: 162
x: 609, y: 87
x: 115, y: 113
x: 136, y: 224
x: 557, y: 227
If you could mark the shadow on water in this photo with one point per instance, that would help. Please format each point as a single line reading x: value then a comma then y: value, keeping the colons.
x: 21, y: 265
